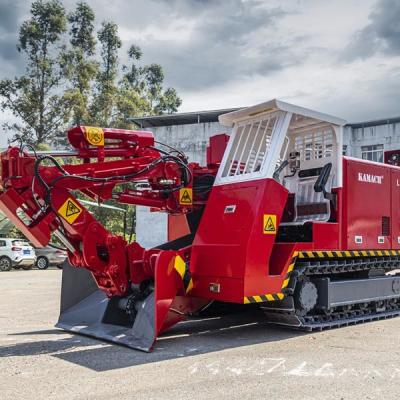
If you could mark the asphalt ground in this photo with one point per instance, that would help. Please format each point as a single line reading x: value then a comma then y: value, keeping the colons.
x: 234, y: 357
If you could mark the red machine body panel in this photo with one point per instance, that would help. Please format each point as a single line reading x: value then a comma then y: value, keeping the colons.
x: 326, y: 236
x: 177, y: 226
x: 232, y: 245
x: 367, y: 205
x: 216, y: 149
x: 231, y: 250
x: 395, y: 209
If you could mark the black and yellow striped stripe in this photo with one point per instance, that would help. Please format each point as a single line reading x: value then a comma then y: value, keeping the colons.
x: 348, y: 253
x: 263, y: 297
x: 182, y: 268
x: 317, y: 255
x: 274, y: 296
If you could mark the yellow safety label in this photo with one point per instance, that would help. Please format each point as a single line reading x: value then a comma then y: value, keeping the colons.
x: 94, y: 135
x: 186, y: 196
x: 70, y: 211
x: 269, y: 226
x: 184, y: 272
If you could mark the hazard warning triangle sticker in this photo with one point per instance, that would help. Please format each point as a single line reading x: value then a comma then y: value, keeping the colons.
x: 269, y: 226
x: 70, y: 210
x: 186, y: 196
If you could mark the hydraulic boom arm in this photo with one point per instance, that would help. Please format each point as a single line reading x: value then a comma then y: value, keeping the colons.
x: 39, y: 196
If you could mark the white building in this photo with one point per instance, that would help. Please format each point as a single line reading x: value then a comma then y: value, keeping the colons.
x: 369, y: 140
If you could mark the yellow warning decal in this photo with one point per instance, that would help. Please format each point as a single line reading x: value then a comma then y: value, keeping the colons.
x: 94, y: 135
x: 183, y: 270
x: 269, y: 226
x: 186, y: 196
x: 70, y: 211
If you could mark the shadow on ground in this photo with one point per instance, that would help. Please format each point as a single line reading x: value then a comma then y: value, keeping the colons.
x: 185, y: 339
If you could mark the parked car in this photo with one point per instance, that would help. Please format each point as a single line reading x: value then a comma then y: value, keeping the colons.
x: 16, y: 253
x: 48, y: 255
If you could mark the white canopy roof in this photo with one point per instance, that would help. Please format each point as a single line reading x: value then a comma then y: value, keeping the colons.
x: 274, y: 105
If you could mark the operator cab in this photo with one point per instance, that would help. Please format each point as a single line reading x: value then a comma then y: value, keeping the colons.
x: 311, y: 172
x: 298, y: 147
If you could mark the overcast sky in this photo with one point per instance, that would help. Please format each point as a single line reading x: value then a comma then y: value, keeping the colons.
x: 340, y: 56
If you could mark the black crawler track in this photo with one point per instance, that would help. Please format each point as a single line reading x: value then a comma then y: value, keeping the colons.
x: 285, y: 312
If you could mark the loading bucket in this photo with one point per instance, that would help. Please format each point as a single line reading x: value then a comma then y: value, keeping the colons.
x: 88, y: 311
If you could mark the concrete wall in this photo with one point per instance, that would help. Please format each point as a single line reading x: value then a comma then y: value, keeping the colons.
x: 192, y: 139
x: 388, y: 135
x: 151, y: 228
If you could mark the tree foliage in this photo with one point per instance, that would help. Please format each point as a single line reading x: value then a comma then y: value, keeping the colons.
x: 35, y: 98
x: 106, y: 89
x: 148, y: 81
x: 79, y: 65
x: 73, y: 76
x: 116, y: 221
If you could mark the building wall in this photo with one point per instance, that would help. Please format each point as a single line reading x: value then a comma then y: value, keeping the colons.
x: 192, y: 139
x: 387, y: 135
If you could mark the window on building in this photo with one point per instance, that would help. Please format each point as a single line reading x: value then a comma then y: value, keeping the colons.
x: 344, y: 150
x: 372, y: 153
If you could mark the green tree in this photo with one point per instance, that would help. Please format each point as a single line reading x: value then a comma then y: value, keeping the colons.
x: 146, y: 83
x: 103, y: 105
x: 169, y: 102
x: 80, y: 67
x: 128, y: 103
x: 114, y: 220
x: 35, y: 97
x: 140, y: 91
x: 64, y: 84
x: 133, y: 73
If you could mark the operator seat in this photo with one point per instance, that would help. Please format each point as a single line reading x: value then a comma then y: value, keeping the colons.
x: 309, y: 205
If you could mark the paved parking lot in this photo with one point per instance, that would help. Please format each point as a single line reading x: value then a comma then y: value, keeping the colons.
x: 236, y: 357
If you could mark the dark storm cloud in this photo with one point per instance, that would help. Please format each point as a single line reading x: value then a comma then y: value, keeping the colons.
x: 227, y: 40
x: 8, y: 50
x: 200, y: 64
x: 11, y: 14
x: 374, y: 99
x: 381, y: 35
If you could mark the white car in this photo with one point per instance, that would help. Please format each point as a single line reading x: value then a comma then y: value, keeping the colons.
x: 47, y: 256
x: 16, y: 253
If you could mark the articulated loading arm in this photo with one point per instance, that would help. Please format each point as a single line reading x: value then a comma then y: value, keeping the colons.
x: 39, y: 197
x: 42, y: 194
